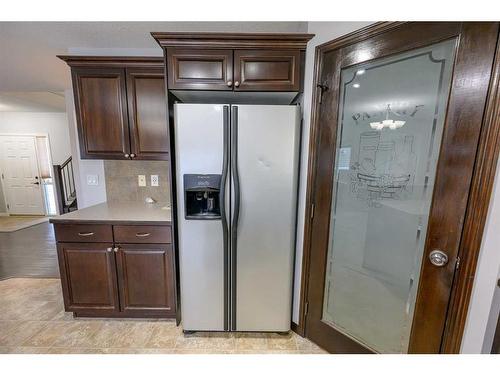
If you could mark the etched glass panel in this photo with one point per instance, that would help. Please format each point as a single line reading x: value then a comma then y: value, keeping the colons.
x: 391, y: 119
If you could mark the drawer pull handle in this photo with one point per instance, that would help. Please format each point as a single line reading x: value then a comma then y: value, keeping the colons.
x: 142, y: 234
x: 86, y: 234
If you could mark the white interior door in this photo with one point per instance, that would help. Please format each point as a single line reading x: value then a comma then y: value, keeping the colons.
x: 21, y: 180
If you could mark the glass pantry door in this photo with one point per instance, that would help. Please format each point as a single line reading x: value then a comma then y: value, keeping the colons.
x: 398, y: 118
x: 391, y: 118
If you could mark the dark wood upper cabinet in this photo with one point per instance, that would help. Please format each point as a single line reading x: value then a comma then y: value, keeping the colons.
x: 147, y: 113
x: 101, y: 110
x: 146, y: 278
x: 263, y: 70
x: 88, y: 275
x: 199, y: 69
x: 234, y: 61
x: 121, y: 107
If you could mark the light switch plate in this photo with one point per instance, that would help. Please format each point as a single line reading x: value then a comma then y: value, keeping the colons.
x: 154, y: 180
x: 92, y: 179
x: 141, y: 179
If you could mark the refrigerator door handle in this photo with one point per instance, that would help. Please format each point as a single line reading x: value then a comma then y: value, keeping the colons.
x: 236, y: 211
x: 224, y: 221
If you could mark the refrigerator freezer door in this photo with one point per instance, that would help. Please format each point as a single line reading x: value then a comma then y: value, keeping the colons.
x: 199, y: 131
x: 267, y: 161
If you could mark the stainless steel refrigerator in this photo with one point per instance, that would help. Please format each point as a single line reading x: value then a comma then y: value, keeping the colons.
x: 237, y: 175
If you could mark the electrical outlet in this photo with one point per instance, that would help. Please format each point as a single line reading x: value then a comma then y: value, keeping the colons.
x: 141, y: 179
x: 154, y: 180
x: 92, y: 179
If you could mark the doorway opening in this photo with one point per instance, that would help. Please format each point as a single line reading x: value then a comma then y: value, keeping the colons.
x: 27, y: 181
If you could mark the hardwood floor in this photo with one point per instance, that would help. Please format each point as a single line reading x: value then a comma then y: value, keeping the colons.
x: 29, y: 252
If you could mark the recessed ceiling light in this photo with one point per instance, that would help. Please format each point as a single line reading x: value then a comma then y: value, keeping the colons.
x: 360, y: 72
x: 356, y: 85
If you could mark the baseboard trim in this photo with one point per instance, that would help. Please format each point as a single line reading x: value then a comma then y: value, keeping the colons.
x: 4, y: 214
x: 297, y: 329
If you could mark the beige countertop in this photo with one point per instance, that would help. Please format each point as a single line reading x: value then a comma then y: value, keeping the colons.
x: 119, y: 212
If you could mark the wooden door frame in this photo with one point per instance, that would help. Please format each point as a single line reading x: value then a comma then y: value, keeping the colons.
x: 477, y: 205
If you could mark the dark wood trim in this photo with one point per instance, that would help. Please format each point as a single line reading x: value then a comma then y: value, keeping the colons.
x: 477, y: 206
x: 295, y: 328
x: 477, y: 212
x: 311, y: 165
x: 233, y: 40
x: 112, y: 61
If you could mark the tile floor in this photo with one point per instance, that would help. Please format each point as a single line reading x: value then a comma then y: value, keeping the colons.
x: 32, y: 320
x: 13, y: 223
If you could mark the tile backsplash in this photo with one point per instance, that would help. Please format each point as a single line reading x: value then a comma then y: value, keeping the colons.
x: 122, y: 185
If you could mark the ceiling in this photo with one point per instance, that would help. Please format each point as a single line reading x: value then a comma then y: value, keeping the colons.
x: 32, y: 101
x: 28, y: 60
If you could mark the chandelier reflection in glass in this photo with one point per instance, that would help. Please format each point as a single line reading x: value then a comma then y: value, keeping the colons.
x: 387, y: 123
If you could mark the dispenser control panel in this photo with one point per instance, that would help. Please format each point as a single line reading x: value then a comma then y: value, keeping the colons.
x: 202, y: 196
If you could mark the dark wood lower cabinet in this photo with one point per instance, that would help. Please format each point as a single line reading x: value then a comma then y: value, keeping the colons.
x: 88, y: 272
x: 105, y: 279
x: 145, y: 278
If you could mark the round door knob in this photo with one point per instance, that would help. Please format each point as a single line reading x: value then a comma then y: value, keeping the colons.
x: 236, y: 83
x: 126, y: 155
x: 229, y: 83
x: 132, y: 155
x: 438, y: 258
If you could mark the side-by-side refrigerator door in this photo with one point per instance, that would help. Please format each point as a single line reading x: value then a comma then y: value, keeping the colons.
x: 265, y: 174
x: 201, y: 158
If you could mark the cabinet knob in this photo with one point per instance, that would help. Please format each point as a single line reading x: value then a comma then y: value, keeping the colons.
x: 237, y: 83
x: 116, y: 249
x: 126, y: 155
x: 132, y: 155
x: 229, y: 83
x: 109, y: 249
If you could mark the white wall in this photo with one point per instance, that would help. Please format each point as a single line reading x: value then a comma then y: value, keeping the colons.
x: 86, y: 195
x: 54, y: 124
x: 485, y: 280
x: 325, y: 31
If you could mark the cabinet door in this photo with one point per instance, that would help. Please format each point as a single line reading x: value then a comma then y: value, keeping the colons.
x: 146, y: 279
x: 261, y: 70
x: 147, y: 110
x: 193, y: 69
x: 101, y: 109
x: 88, y: 276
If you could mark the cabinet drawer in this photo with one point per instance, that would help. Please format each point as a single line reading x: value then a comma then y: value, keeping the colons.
x: 142, y: 233
x: 83, y: 233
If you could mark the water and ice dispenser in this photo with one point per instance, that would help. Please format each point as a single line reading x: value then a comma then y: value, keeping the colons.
x: 202, y: 196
